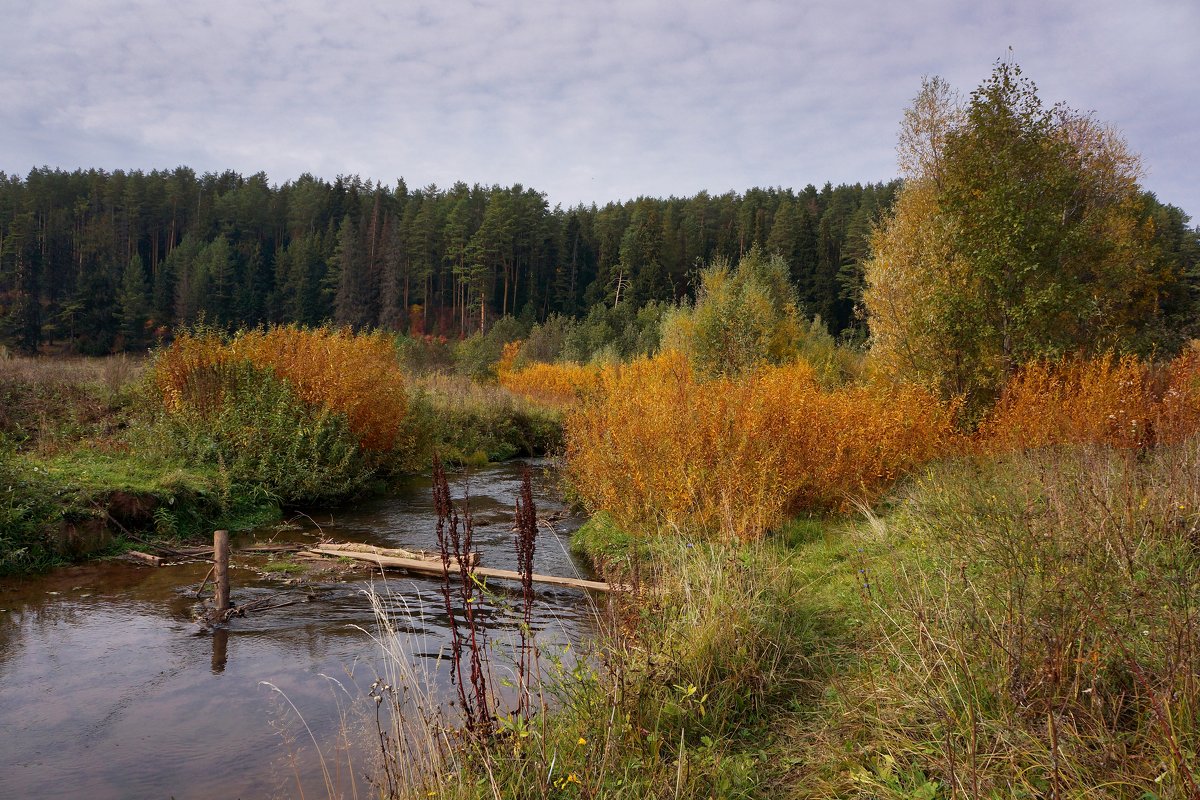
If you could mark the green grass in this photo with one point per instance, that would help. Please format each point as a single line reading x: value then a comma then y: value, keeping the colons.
x: 681, y: 695
x: 283, y: 566
x: 1023, y: 635
x: 1023, y: 627
x: 47, y: 499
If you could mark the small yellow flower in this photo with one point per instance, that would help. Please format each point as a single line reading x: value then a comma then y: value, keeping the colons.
x: 581, y: 740
x: 572, y: 778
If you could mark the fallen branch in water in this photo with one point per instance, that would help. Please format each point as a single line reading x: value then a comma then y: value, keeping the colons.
x: 144, y: 558
x: 435, y: 568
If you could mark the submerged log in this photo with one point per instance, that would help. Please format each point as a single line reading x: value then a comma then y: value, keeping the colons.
x: 272, y: 548
x: 432, y: 567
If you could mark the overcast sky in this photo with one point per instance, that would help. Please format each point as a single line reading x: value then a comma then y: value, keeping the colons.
x: 585, y: 101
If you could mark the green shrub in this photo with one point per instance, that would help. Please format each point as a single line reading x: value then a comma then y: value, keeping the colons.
x: 477, y: 356
x: 546, y: 341
x: 263, y: 435
x: 462, y: 419
x: 28, y: 511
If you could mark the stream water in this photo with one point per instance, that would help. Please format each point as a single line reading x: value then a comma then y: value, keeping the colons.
x: 109, y: 689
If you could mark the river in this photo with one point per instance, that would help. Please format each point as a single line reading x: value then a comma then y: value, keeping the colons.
x: 109, y: 689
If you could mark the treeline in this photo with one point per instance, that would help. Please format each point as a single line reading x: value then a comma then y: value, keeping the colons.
x: 102, y: 261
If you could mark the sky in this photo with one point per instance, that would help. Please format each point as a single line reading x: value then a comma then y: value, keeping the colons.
x: 584, y: 101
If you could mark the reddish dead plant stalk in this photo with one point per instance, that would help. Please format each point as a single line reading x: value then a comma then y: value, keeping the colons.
x: 525, y: 537
x: 455, y: 544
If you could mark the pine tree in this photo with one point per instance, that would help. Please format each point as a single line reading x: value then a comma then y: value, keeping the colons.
x: 133, y: 303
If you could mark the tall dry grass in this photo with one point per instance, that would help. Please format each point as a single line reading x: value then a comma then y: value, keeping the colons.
x: 1033, y: 632
x: 660, y: 708
x: 653, y: 444
x: 48, y: 405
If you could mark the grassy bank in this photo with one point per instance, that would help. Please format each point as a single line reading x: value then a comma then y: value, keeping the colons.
x: 1016, y: 627
x: 81, y: 503
x: 1032, y: 634
x: 473, y: 423
x: 96, y: 451
x: 76, y: 476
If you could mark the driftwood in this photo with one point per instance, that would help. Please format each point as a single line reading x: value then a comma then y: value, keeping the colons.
x: 432, y: 567
x: 145, y: 558
x: 204, y: 582
x: 272, y: 548
x: 350, y: 548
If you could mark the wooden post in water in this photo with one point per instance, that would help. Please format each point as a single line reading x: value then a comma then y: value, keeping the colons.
x: 221, y: 571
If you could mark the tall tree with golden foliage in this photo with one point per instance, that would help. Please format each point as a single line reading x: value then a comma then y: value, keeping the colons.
x: 1020, y: 233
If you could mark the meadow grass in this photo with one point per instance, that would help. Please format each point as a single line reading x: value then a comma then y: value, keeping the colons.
x: 1013, y: 627
x: 1028, y: 630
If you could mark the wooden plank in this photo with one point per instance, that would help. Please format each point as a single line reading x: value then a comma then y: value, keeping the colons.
x: 349, y: 548
x: 435, y: 568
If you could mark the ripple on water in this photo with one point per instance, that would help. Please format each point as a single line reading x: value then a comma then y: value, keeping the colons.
x: 108, y: 690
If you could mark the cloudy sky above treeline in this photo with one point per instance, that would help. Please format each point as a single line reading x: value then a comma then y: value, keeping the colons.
x: 585, y: 101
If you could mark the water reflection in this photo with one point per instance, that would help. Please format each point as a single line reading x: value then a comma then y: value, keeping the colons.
x: 109, y: 690
x: 220, y: 648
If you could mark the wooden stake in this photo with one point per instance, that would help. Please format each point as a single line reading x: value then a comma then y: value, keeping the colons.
x: 221, y: 570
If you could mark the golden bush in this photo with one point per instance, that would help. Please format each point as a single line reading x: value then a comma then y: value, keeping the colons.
x: 550, y: 384
x: 356, y: 375
x: 1178, y: 416
x: 652, y: 443
x: 1105, y: 400
x: 1119, y: 402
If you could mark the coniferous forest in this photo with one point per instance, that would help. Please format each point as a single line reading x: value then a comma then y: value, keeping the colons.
x: 102, y: 262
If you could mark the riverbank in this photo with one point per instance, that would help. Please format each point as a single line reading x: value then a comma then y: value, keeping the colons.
x: 1015, y: 626
x: 86, y: 467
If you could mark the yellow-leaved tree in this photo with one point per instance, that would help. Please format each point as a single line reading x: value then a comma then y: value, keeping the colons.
x: 1021, y: 233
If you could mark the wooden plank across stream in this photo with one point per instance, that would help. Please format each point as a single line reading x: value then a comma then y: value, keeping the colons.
x: 432, y: 566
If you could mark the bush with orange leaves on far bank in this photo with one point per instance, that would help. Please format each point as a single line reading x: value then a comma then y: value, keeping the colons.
x: 355, y: 375
x: 653, y: 444
x: 555, y: 385
x: 1119, y: 402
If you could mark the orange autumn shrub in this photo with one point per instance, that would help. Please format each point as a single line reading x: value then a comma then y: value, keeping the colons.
x: 1119, y: 402
x: 187, y: 374
x: 651, y: 443
x: 1179, y: 408
x: 551, y: 384
x: 355, y: 375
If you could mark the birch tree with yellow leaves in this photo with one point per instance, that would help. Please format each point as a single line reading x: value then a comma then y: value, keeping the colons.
x: 1021, y: 233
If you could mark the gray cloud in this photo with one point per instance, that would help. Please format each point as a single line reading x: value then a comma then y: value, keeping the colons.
x: 585, y: 101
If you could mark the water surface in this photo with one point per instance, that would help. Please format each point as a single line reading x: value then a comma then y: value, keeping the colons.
x: 109, y: 689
